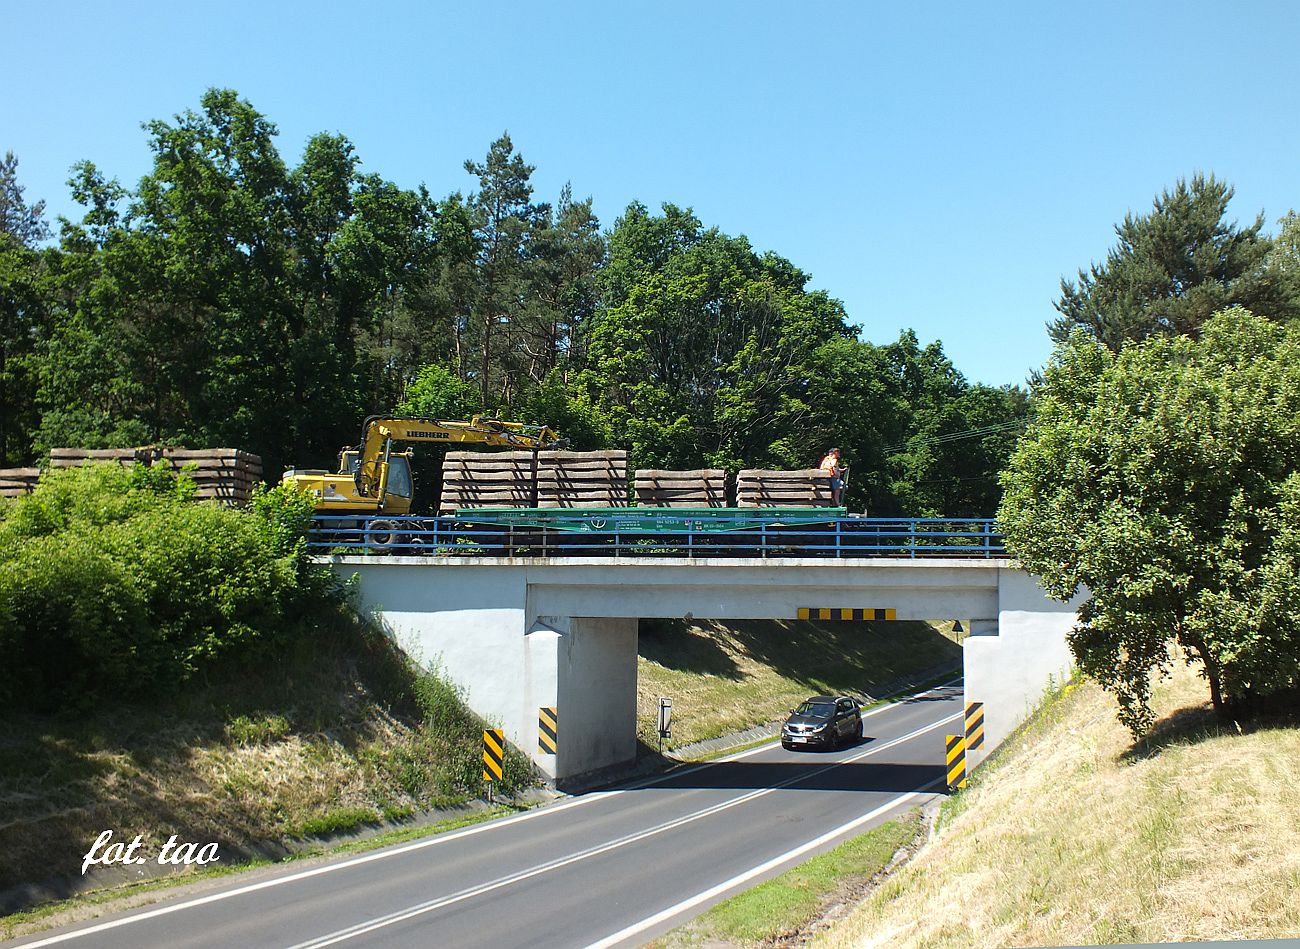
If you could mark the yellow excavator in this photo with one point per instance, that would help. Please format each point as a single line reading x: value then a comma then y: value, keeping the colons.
x: 375, y: 479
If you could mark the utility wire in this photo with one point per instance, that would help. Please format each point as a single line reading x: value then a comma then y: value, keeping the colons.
x: 960, y: 436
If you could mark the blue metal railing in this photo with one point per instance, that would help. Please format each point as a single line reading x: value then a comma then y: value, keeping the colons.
x: 841, y: 538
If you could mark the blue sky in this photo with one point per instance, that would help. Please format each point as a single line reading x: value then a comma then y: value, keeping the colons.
x: 935, y: 166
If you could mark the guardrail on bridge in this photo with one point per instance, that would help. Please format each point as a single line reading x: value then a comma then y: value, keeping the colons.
x: 839, y: 538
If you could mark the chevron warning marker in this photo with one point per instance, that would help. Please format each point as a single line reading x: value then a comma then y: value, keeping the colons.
x: 974, y: 726
x: 494, y: 753
x: 956, y: 760
x: 548, y: 730
x: 844, y: 613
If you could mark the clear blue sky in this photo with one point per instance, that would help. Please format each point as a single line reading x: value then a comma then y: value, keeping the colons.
x: 935, y: 166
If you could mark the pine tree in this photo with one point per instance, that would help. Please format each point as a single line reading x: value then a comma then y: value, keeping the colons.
x: 1172, y: 269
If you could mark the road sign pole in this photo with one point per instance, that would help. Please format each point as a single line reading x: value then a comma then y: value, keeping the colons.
x: 665, y: 721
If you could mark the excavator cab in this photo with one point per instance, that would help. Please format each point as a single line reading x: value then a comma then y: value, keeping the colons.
x: 400, y: 482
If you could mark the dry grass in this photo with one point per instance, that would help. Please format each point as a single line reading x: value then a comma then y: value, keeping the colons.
x: 726, y: 677
x: 1076, y: 837
x: 345, y: 735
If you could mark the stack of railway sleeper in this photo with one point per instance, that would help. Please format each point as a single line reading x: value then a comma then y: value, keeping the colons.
x: 474, y: 479
x: 15, y: 482
x: 701, y: 487
x: 227, y: 475
x: 804, y: 487
x: 577, y: 479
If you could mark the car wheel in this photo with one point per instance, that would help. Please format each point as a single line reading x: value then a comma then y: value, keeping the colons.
x: 861, y: 733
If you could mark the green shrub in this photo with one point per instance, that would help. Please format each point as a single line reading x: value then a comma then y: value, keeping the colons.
x: 115, y: 585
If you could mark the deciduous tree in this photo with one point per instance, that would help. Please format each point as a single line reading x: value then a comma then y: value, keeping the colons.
x: 1163, y: 481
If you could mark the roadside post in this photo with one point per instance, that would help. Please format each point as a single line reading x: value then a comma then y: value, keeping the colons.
x: 955, y: 756
x: 665, y: 721
x: 494, y: 753
x: 548, y: 730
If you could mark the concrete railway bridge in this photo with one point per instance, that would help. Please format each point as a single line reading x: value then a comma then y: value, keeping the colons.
x: 522, y: 634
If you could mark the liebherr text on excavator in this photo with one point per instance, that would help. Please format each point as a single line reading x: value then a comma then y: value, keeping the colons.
x: 374, y: 479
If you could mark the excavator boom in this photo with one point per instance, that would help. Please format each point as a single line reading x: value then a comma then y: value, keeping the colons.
x: 378, y: 430
x: 373, y: 479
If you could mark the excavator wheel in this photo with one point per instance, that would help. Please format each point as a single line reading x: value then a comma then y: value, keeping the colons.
x: 383, y: 537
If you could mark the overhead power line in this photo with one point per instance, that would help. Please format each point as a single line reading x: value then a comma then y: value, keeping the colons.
x: 959, y: 436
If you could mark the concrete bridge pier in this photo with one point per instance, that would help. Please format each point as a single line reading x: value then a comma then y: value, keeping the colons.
x: 585, y: 668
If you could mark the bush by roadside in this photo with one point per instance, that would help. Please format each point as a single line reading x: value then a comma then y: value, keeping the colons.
x: 113, y: 586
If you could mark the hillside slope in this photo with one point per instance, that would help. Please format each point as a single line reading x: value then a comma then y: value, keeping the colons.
x: 1075, y: 836
x: 341, y: 733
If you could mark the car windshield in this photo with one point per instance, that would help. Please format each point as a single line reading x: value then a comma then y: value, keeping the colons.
x: 819, y: 709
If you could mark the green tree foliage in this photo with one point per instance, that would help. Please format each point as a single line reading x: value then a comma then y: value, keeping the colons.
x: 23, y: 222
x: 231, y: 300
x: 505, y: 221
x: 1163, y: 481
x: 24, y: 320
x: 703, y: 349
x: 1171, y: 269
x: 113, y: 585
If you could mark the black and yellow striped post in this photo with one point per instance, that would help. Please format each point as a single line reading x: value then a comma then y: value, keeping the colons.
x: 494, y: 753
x: 974, y: 726
x: 844, y: 613
x: 548, y: 730
x: 955, y: 756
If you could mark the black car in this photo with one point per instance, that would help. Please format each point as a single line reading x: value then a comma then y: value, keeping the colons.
x: 825, y: 720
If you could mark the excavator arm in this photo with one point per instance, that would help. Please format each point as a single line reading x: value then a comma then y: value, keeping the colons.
x: 378, y: 432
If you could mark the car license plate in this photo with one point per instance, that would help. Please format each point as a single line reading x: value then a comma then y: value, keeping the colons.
x: 798, y: 738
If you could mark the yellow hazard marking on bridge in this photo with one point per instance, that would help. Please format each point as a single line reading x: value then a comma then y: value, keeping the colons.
x: 845, y: 613
x: 494, y: 753
x: 548, y: 730
x: 974, y: 726
x: 956, y: 760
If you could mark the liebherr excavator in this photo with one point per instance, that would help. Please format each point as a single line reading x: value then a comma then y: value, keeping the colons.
x: 374, y: 479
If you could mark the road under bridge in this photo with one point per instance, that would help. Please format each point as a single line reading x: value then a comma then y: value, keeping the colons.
x: 522, y: 635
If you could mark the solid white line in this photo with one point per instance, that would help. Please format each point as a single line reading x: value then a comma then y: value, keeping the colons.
x: 417, y: 845
x: 379, y: 922
x: 742, y: 878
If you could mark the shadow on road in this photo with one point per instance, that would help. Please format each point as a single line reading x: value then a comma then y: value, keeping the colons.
x: 818, y: 774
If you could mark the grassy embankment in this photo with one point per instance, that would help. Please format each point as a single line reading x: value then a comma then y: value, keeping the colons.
x: 340, y: 734
x: 727, y: 677
x: 1074, y: 835
x: 178, y: 668
x: 1071, y: 835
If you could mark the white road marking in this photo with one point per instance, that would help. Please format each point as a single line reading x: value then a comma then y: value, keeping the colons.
x: 379, y: 922
x: 742, y: 878
x: 432, y: 841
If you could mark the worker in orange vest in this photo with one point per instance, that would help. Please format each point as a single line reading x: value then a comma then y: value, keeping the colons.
x: 831, y: 465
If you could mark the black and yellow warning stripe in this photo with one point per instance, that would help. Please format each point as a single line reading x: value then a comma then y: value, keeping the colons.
x: 974, y: 726
x: 955, y: 756
x: 548, y: 730
x: 494, y: 753
x: 842, y: 613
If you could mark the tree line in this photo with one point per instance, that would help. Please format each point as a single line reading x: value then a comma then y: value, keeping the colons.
x: 231, y: 298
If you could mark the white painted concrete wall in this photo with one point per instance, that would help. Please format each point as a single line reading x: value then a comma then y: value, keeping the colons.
x: 1010, y: 666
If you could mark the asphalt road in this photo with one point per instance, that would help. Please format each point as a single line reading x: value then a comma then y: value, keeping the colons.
x: 610, y: 868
